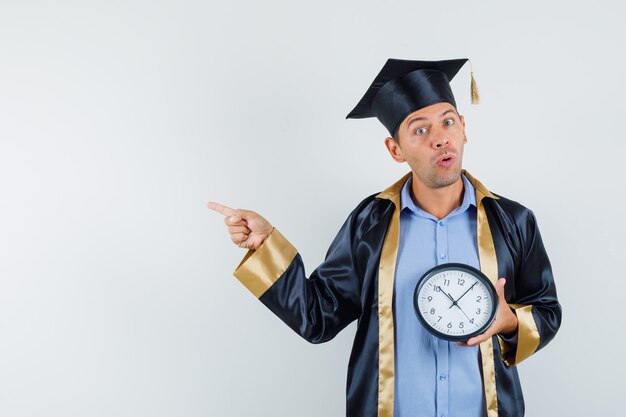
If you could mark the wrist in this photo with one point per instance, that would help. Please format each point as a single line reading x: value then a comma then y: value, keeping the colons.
x: 510, y: 327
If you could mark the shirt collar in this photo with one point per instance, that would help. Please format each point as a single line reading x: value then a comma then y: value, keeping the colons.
x: 469, y: 199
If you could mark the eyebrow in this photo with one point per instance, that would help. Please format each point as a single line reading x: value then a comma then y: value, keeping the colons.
x: 424, y: 118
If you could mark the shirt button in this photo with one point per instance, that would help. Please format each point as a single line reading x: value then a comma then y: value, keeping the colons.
x: 442, y: 256
x: 442, y: 223
x: 442, y: 377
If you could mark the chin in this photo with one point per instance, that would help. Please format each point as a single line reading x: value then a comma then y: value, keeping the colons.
x: 435, y: 178
x: 442, y: 181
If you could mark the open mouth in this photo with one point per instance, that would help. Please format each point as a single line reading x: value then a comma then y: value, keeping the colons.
x: 446, y: 161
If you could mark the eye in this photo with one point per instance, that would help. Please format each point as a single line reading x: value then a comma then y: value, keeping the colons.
x: 421, y: 131
x: 448, y: 122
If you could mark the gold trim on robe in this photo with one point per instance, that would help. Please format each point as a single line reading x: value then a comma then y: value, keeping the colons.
x: 481, y: 190
x: 489, y: 267
x: 386, y: 275
x: 261, y: 268
x: 527, y: 337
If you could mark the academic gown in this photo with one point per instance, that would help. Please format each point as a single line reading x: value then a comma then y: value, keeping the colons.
x: 355, y: 282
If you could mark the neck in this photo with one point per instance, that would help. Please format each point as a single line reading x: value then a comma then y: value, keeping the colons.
x: 437, y: 201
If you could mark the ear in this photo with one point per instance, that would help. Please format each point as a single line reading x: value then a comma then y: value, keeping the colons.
x: 394, y: 150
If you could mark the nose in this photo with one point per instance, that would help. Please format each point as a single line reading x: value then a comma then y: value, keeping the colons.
x: 440, y: 137
x: 441, y: 141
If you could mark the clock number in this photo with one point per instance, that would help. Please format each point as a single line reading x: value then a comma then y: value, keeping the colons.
x: 450, y: 325
x: 430, y: 298
x: 439, y: 319
x: 461, y: 281
x: 432, y: 311
x: 437, y: 288
x: 461, y: 325
x: 478, y: 311
x: 472, y: 321
x: 446, y: 282
x: 478, y: 299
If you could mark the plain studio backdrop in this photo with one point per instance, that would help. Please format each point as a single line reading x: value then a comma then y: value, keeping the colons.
x: 119, y: 120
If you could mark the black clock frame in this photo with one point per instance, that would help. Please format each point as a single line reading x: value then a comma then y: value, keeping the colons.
x: 456, y: 267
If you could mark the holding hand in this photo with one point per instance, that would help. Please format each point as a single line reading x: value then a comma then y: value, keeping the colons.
x: 505, y: 322
x: 247, y: 229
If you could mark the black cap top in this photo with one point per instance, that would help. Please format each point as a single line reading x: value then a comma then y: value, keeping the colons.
x: 402, y: 87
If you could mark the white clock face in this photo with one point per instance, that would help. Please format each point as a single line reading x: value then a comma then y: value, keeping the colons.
x: 455, y: 303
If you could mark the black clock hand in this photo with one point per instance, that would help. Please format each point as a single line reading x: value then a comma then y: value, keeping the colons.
x: 449, y: 296
x: 462, y: 311
x: 446, y: 294
x: 456, y: 303
x: 462, y: 295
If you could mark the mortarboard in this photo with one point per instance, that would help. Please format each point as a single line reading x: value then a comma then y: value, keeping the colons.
x: 402, y: 87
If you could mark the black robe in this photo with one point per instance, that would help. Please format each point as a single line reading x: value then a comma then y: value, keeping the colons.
x: 355, y: 282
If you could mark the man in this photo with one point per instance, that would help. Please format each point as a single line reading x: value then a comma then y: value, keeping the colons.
x: 436, y: 214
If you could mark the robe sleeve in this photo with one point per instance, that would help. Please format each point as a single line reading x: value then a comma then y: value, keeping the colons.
x: 536, y: 305
x: 318, y: 307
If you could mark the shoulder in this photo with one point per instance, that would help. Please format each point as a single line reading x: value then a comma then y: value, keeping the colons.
x: 371, y: 208
x: 510, y: 213
x: 370, y: 213
x: 509, y: 206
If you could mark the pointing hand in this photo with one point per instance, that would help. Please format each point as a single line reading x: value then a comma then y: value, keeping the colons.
x: 247, y: 229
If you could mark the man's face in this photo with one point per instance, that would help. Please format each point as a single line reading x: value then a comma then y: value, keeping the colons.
x: 431, y: 141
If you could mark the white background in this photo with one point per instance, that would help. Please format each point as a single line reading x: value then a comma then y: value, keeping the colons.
x: 120, y: 119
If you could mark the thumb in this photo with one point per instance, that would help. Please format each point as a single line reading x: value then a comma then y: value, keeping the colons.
x: 242, y: 214
x: 500, y: 288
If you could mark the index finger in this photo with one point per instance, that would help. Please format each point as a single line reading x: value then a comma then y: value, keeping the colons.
x: 226, y: 211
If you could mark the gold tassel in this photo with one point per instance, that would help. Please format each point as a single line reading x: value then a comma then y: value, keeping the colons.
x: 474, y: 93
x: 474, y: 89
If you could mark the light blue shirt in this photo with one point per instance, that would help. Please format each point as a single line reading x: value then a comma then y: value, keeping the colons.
x: 434, y: 378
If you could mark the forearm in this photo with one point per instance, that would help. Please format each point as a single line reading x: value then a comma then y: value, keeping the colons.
x: 316, y: 308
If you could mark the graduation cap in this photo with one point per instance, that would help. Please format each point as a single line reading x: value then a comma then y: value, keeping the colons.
x: 402, y: 87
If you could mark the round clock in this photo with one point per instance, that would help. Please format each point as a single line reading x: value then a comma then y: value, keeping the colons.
x: 455, y: 301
